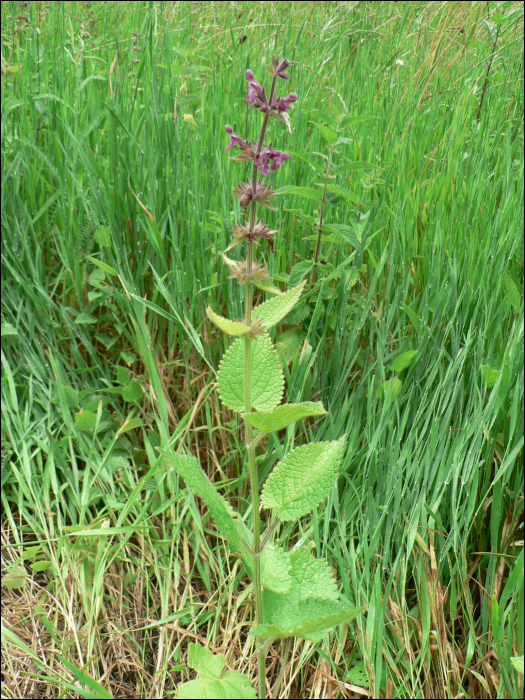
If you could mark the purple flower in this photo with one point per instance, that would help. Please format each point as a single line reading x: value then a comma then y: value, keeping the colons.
x: 281, y: 68
x: 283, y: 103
x: 249, y: 75
x: 270, y: 154
x: 234, y: 139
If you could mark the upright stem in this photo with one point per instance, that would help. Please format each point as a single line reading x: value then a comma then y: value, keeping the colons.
x: 321, y: 215
x: 250, y: 447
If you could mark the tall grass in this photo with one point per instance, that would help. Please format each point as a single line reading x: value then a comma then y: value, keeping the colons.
x: 112, y: 221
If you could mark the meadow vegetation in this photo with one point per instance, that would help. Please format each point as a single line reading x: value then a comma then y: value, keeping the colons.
x: 401, y: 211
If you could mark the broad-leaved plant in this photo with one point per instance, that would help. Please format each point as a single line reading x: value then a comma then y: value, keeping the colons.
x: 295, y: 594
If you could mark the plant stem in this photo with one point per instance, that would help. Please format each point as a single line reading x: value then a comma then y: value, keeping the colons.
x: 321, y: 216
x: 250, y: 446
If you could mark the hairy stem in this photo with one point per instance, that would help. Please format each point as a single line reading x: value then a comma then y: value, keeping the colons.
x: 321, y: 217
x: 250, y: 445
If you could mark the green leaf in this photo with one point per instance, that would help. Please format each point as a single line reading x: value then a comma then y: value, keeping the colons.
x: 288, y: 343
x: 280, y: 417
x: 123, y: 375
x: 85, y: 318
x: 8, y: 329
x: 302, y: 479
x: 327, y: 133
x: 213, y: 683
x: 133, y: 391
x: 517, y: 662
x: 390, y: 388
x: 275, y: 569
x: 273, y: 310
x: 318, y: 168
x: 312, y: 619
x: 403, y: 360
x: 14, y: 577
x: 85, y: 420
x: 311, y: 578
x: 489, y: 375
x: 308, y: 192
x: 130, y: 424
x: 513, y: 291
x: 128, y: 357
x: 104, y: 266
x: 225, y: 325
x: 267, y: 381
x: 226, y: 519
x: 298, y: 271
x: 413, y: 318
x: 348, y: 232
x: 267, y: 287
x: 310, y: 220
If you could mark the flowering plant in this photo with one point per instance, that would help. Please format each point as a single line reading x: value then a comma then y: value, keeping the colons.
x: 295, y: 594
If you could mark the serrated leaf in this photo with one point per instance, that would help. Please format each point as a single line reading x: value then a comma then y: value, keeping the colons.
x: 14, y: 577
x: 123, y: 375
x: 310, y: 220
x: 133, y: 391
x: 267, y: 380
x: 350, y: 233
x: 390, y: 388
x: 280, y: 417
x: 268, y: 287
x: 403, y: 360
x: 213, y: 684
x: 327, y: 133
x: 85, y: 420
x: 308, y: 192
x: 128, y: 357
x: 225, y: 325
x: 312, y: 619
x: 85, y: 318
x: 310, y: 162
x: 300, y: 481
x: 513, y: 292
x: 288, y: 343
x: 311, y: 577
x: 273, y: 310
x: 298, y: 315
x: 227, y: 521
x: 275, y: 569
x: 298, y: 271
x: 489, y: 375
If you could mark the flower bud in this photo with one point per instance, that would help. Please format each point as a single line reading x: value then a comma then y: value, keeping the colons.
x: 249, y: 75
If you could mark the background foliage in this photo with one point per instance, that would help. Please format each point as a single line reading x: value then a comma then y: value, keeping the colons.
x: 115, y: 207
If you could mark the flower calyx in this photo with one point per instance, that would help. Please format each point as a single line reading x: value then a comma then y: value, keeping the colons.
x: 235, y: 140
x: 262, y: 195
x: 243, y: 233
x: 257, y: 96
x: 238, y: 270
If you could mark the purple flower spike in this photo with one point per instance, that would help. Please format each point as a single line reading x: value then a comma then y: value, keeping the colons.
x: 249, y: 75
x: 283, y: 103
x: 277, y: 158
x: 281, y: 68
x: 234, y: 139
